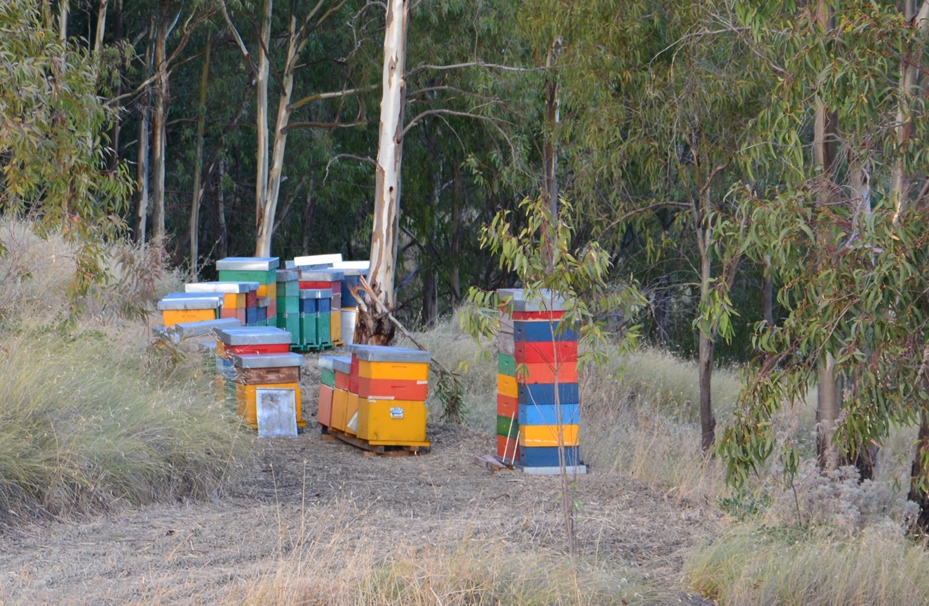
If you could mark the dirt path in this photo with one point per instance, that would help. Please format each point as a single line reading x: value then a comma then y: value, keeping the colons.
x: 298, y: 492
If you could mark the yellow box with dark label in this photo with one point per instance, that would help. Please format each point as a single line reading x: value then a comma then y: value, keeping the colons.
x: 404, y: 371
x: 339, y: 407
x: 335, y: 326
x: 246, y: 402
x: 546, y: 435
x: 507, y: 386
x: 392, y: 422
x: 179, y: 316
x: 351, y: 414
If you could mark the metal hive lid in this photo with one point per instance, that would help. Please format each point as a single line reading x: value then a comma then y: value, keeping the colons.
x: 316, y: 293
x: 253, y: 335
x: 287, y: 275
x: 317, y: 260
x: 223, y: 287
x: 186, y: 330
x: 379, y: 353
x: 333, y: 362
x: 277, y: 360
x: 189, y: 300
x: 248, y: 264
x: 321, y: 275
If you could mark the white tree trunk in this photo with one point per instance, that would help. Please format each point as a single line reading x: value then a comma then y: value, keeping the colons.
x: 384, y: 237
x: 101, y: 26
x: 273, y: 189
x: 261, y: 179
x: 144, y: 150
x: 198, y: 189
x: 63, y: 20
x: 159, y: 136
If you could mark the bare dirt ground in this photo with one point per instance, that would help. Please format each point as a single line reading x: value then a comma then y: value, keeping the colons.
x: 295, y: 489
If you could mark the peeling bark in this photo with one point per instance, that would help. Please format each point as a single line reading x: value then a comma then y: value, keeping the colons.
x: 264, y: 66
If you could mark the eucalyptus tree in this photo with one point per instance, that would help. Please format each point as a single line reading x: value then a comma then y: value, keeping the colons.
x: 851, y: 273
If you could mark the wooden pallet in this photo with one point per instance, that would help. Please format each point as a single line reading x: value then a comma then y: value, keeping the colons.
x: 387, y: 450
x: 313, y: 348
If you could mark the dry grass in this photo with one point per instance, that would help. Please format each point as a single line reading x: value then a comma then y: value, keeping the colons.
x: 92, y: 416
x: 757, y: 565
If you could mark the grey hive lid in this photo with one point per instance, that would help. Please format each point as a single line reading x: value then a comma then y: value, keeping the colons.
x: 186, y: 330
x: 223, y: 287
x: 277, y: 360
x: 316, y: 293
x: 253, y: 335
x: 248, y: 264
x: 542, y: 300
x: 190, y: 300
x: 379, y: 353
x: 321, y: 275
x: 290, y: 265
x: 288, y: 275
x: 317, y: 260
x: 333, y: 362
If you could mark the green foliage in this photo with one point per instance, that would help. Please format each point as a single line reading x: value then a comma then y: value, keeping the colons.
x: 52, y: 140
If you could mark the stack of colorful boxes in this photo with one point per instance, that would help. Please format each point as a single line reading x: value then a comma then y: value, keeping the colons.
x: 262, y: 270
x: 236, y: 297
x: 180, y: 307
x: 331, y: 280
x: 335, y: 372
x: 315, y: 314
x: 352, y: 272
x: 256, y: 360
x: 288, y: 303
x: 543, y: 370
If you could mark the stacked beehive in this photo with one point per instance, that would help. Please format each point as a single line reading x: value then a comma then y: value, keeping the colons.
x: 288, y: 303
x: 538, y: 360
x: 262, y: 367
x: 262, y: 270
x: 352, y: 272
x: 315, y: 314
x: 331, y: 280
x: 236, y: 296
x: 181, y: 307
x: 334, y: 384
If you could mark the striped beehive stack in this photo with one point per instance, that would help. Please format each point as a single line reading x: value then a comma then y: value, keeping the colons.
x: 331, y: 367
x: 288, y: 303
x: 352, y: 272
x: 262, y: 270
x: 331, y: 280
x: 261, y: 363
x: 182, y: 307
x: 538, y: 359
x: 235, y: 297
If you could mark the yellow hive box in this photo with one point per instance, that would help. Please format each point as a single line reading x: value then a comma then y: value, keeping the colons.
x: 268, y: 290
x: 351, y: 414
x: 246, y: 402
x: 335, y: 326
x: 401, y: 371
x: 234, y: 301
x: 546, y: 435
x: 220, y: 389
x: 507, y: 386
x: 220, y: 349
x: 339, y: 406
x: 392, y: 422
x: 179, y: 316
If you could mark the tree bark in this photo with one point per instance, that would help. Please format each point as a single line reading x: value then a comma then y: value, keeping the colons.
x: 264, y: 66
x: 159, y: 134
x: 63, y: 9
x: 455, y: 245
x: 919, y: 474
x: 550, y: 151
x: 223, y: 243
x: 370, y: 327
x: 113, y: 160
x: 143, y: 156
x: 198, y: 162
x: 101, y: 27
x: 706, y: 348
x: 825, y: 148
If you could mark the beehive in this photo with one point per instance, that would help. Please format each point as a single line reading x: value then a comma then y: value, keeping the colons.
x: 315, y: 315
x: 328, y: 366
x: 255, y: 372
x: 261, y: 270
x: 327, y: 279
x: 179, y: 307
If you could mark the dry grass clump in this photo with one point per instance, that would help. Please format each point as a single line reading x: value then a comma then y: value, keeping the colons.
x: 92, y: 416
x: 757, y: 565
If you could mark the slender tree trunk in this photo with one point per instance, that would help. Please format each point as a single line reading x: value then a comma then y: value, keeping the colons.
x: 159, y: 136
x: 264, y: 66
x: 919, y: 474
x: 272, y: 193
x: 455, y: 245
x: 143, y: 156
x: 550, y: 151
x: 767, y: 293
x: 113, y: 160
x: 705, y: 364
x: 384, y: 236
x: 198, y: 190
x: 101, y: 27
x: 825, y: 148
x: 223, y: 244
x: 430, y: 288
x: 63, y: 9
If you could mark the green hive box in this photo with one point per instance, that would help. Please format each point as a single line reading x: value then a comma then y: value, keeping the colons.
x: 291, y: 323
x: 507, y: 426
x: 288, y: 289
x: 327, y: 377
x: 506, y: 365
x: 324, y: 327
x: 290, y: 305
x: 308, y: 329
x: 262, y: 277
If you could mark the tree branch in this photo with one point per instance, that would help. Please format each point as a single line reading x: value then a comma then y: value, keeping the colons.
x: 319, y: 96
x: 448, y: 112
x: 336, y: 158
x: 238, y: 38
x: 324, y: 125
x: 506, y: 68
